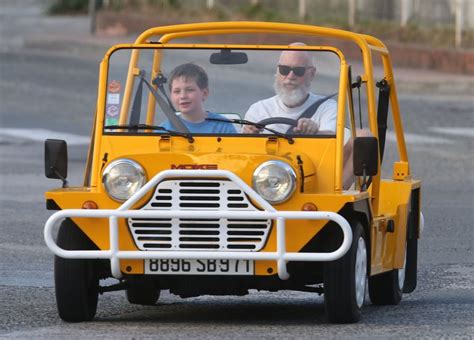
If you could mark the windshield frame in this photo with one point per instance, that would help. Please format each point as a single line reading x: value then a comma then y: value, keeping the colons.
x: 157, y: 47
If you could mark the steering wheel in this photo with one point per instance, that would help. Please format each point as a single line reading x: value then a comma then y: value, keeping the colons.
x: 278, y: 120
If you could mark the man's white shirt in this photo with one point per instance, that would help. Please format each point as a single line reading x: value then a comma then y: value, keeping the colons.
x: 325, y: 115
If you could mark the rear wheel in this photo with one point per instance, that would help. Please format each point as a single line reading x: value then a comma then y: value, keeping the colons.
x: 387, y: 288
x: 345, y: 281
x: 414, y: 220
x: 76, y: 280
x: 411, y: 266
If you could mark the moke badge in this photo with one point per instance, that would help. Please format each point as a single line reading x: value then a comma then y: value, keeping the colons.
x: 194, y: 166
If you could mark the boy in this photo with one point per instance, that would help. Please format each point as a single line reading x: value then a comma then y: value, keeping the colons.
x: 189, y: 89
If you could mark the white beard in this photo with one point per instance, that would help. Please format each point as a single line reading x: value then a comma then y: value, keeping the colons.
x: 293, y: 97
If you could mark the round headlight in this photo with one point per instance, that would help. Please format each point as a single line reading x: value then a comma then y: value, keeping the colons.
x: 122, y: 178
x: 275, y: 181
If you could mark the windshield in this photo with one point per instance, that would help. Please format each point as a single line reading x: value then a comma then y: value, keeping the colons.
x: 222, y: 91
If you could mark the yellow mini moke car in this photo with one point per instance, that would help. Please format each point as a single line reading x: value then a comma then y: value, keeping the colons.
x: 218, y: 186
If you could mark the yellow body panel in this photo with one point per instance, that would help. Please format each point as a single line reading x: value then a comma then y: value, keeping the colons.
x: 395, y: 199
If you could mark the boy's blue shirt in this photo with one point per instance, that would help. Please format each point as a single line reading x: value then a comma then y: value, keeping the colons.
x: 205, y: 126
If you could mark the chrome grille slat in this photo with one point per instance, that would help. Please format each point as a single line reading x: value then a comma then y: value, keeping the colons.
x: 204, y: 233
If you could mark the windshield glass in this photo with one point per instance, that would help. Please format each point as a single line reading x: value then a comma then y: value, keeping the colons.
x: 223, y: 91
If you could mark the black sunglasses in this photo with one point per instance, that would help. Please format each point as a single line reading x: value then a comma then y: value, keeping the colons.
x: 299, y: 71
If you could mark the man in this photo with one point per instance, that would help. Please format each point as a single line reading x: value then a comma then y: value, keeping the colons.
x: 295, y: 72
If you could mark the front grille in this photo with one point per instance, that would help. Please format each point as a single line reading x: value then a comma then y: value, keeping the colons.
x: 218, y: 234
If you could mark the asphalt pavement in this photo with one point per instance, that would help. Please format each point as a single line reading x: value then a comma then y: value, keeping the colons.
x: 48, y: 76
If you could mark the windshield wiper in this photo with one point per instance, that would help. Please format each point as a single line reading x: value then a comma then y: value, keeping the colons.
x: 188, y: 136
x: 248, y: 122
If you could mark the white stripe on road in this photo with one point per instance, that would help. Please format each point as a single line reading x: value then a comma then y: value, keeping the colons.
x: 42, y: 134
x: 72, y: 139
x: 411, y: 138
x: 455, y: 131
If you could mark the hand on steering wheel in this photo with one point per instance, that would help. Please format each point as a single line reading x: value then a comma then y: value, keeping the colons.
x: 303, y: 125
x: 306, y: 126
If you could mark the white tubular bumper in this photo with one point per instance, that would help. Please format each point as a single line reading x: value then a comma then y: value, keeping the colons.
x: 114, y: 254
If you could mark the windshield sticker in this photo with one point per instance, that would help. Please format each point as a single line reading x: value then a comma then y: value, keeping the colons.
x: 113, y: 98
x: 111, y: 115
x: 112, y: 111
x: 114, y: 86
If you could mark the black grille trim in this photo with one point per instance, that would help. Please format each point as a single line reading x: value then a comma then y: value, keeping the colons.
x: 213, y: 234
x: 199, y: 184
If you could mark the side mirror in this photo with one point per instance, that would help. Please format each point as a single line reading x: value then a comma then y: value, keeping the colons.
x: 55, y: 159
x: 227, y: 57
x: 366, y: 156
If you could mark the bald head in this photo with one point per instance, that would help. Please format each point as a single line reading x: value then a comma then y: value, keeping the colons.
x: 296, y: 58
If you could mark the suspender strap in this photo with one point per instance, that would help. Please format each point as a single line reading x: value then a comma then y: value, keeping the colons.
x: 310, y: 111
x: 382, y: 113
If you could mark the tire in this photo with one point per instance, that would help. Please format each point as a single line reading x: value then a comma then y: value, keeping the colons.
x: 411, y: 266
x: 345, y: 281
x: 386, y: 288
x: 412, y: 250
x: 142, y: 292
x: 76, y: 280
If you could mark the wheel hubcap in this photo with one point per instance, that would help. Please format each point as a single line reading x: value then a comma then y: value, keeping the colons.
x: 360, y: 272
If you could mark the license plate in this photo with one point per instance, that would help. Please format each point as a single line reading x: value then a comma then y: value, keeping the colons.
x: 199, y: 267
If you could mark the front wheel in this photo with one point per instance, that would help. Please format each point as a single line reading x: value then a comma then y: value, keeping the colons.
x: 76, y: 280
x: 345, y: 281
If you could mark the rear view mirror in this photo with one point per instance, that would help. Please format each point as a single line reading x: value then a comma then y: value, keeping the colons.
x: 227, y: 57
x: 366, y: 156
x: 55, y: 159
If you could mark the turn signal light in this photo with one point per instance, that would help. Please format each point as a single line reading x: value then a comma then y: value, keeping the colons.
x: 309, y: 207
x: 89, y: 205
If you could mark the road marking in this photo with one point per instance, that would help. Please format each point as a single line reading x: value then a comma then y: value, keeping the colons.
x: 42, y: 134
x: 455, y: 131
x: 411, y: 138
x: 72, y: 139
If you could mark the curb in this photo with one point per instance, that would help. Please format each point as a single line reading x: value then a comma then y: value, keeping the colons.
x: 403, y: 55
x: 73, y: 44
x: 443, y: 60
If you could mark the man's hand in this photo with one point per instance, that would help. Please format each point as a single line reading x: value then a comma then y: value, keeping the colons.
x: 250, y: 129
x: 306, y: 126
